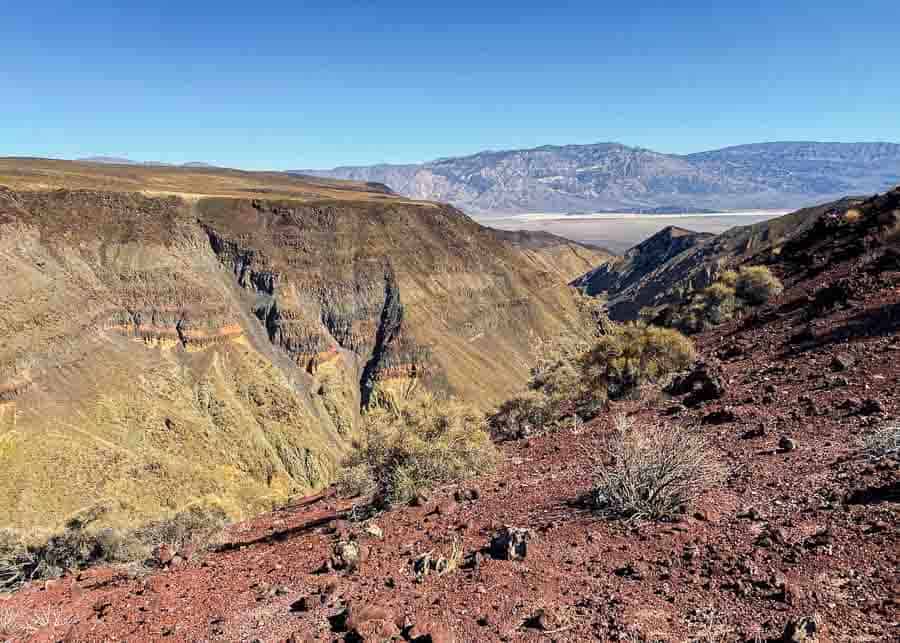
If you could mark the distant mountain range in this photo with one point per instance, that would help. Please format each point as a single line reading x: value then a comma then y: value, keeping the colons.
x: 119, y: 160
x: 614, y: 177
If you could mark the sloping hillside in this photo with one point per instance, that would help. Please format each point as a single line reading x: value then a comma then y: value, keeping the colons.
x: 610, y: 176
x: 162, y: 349
x: 672, y: 263
x: 797, y: 543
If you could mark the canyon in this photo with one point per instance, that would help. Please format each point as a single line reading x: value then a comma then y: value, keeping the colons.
x: 179, y: 336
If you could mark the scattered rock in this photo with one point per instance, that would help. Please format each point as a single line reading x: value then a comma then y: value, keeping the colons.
x: 720, y: 416
x: 463, y: 495
x: 511, y: 543
x: 871, y: 406
x: 346, y: 555
x: 370, y: 622
x: 374, y: 531
x: 757, y: 432
x: 163, y: 554
x: 427, y: 631
x: 802, y: 630
x: 842, y: 362
x: 300, y: 605
x: 822, y: 538
x: 705, y: 382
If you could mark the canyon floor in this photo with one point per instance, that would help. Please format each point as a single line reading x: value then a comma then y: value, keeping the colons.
x: 807, y: 530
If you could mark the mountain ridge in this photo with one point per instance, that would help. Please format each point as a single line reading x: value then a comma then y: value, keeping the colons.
x: 615, y: 177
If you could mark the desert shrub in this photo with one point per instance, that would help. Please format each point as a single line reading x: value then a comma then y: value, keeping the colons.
x: 884, y: 442
x: 16, y: 561
x: 709, y: 307
x: 416, y: 443
x: 756, y: 285
x: 26, y: 556
x: 575, y: 379
x: 728, y: 278
x: 522, y: 416
x: 354, y: 481
x: 719, y: 302
x: 636, y: 354
x: 197, y: 526
x: 654, y: 470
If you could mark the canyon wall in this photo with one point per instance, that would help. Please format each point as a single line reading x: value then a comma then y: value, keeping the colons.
x: 159, y: 351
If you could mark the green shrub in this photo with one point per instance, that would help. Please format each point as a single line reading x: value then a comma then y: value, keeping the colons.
x: 756, y: 285
x: 720, y: 301
x: 636, y: 354
x: 653, y: 471
x: 413, y: 444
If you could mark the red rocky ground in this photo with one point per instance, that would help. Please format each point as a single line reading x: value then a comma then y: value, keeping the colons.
x: 805, y: 531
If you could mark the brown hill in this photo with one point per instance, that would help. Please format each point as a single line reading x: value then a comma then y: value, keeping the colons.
x: 176, y: 336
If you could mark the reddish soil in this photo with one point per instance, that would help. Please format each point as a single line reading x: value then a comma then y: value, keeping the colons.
x: 809, y: 531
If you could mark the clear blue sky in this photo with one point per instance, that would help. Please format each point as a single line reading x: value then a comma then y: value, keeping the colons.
x: 316, y: 84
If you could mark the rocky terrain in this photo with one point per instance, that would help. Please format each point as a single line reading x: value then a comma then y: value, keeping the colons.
x: 614, y: 177
x: 674, y: 262
x: 179, y: 336
x: 799, y: 543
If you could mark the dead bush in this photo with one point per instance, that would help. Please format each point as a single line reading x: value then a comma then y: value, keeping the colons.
x: 653, y: 471
x: 416, y: 443
x: 27, y: 556
x: 756, y: 285
x: 637, y: 354
x: 197, y: 526
x: 354, y: 481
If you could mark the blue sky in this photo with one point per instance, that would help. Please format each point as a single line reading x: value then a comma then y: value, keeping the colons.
x: 315, y: 84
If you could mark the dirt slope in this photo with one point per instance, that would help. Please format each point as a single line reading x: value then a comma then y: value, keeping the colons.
x: 814, y: 530
x: 161, y: 350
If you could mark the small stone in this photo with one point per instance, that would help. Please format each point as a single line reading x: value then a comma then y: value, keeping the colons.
x: 346, y: 555
x: 375, y: 531
x: 786, y: 444
x: 511, y: 543
x: 720, y: 416
x: 802, y: 630
x: 163, y: 554
x: 842, y: 362
x: 871, y: 407
x: 300, y: 605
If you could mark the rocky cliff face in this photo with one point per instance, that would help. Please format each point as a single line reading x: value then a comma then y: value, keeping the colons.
x: 163, y: 350
x: 609, y: 176
x: 623, y: 281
